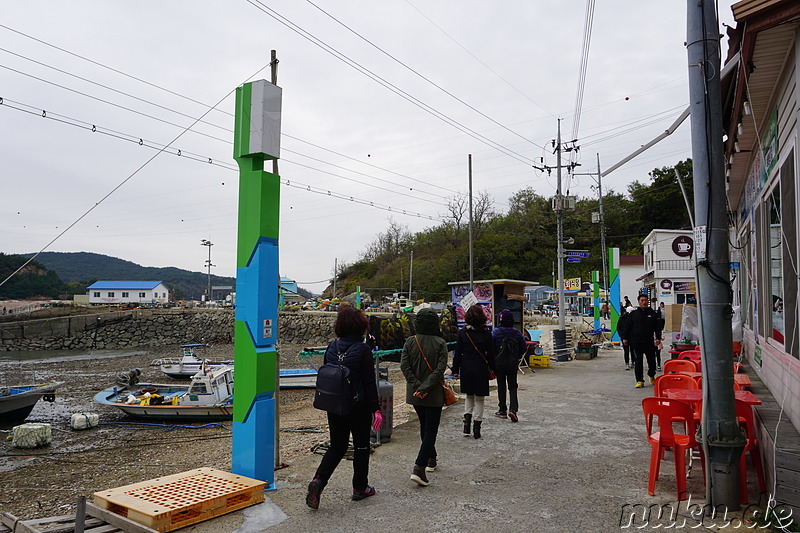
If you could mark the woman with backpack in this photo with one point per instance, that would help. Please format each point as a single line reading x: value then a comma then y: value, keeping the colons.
x: 349, y: 348
x: 472, y: 362
x: 423, y: 362
x: 510, y: 346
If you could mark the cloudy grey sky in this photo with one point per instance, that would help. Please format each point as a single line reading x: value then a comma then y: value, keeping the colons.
x: 148, y: 70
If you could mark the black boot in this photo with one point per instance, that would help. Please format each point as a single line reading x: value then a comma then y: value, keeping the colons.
x: 476, y: 429
x: 467, y: 423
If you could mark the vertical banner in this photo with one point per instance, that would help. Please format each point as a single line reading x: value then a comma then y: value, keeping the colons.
x: 256, y: 139
x: 614, y: 302
x: 596, y: 297
x: 358, y: 296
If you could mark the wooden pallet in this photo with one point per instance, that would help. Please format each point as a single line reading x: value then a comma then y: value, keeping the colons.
x: 96, y: 521
x: 176, y: 501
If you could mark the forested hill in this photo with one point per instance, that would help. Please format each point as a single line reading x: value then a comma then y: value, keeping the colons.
x: 517, y: 241
x: 34, y: 280
x: 85, y: 268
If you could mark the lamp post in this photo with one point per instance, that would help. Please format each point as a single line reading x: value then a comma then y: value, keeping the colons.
x: 209, y: 244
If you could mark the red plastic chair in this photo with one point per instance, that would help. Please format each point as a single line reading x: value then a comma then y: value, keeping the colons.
x: 679, y: 365
x: 673, y: 381
x: 699, y: 380
x: 745, y: 415
x: 668, y: 412
x: 693, y: 355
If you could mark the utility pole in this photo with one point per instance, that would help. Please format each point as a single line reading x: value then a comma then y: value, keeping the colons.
x: 721, y: 436
x: 277, y: 442
x: 335, y: 272
x: 560, y: 340
x: 410, y: 273
x: 471, y: 275
x: 602, y: 230
x: 273, y: 63
x: 209, y: 244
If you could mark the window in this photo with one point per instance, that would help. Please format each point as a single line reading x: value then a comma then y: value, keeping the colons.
x: 124, y: 294
x: 96, y: 294
x: 110, y: 294
x: 775, y: 258
x: 141, y: 295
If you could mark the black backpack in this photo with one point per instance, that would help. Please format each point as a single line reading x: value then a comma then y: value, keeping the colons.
x: 335, y: 391
x: 508, y: 355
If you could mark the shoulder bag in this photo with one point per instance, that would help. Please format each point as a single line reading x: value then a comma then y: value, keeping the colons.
x: 449, y: 396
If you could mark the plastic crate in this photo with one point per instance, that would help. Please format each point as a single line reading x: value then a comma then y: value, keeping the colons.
x: 540, y: 361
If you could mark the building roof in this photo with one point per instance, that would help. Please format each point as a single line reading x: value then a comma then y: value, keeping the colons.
x: 514, y: 281
x: 121, y: 285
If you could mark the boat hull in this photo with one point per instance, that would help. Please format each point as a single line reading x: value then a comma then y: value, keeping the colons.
x: 22, y: 399
x: 110, y: 396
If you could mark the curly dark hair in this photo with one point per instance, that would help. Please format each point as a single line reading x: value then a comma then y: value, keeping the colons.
x: 350, y: 322
x: 475, y: 317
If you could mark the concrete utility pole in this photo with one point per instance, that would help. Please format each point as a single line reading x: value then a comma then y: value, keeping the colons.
x: 471, y: 277
x: 410, y: 273
x: 721, y: 436
x: 209, y: 244
x: 335, y: 273
x: 602, y: 229
x: 560, y: 336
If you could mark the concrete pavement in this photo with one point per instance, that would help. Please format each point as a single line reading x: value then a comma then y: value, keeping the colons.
x: 575, y: 458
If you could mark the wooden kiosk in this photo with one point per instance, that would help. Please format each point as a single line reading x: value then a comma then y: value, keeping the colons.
x: 493, y: 295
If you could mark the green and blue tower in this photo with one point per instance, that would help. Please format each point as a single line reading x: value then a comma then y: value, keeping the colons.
x: 256, y: 140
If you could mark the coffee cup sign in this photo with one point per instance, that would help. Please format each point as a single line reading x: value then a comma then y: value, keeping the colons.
x: 683, y: 246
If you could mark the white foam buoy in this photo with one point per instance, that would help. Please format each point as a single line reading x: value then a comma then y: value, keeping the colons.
x: 84, y: 420
x: 31, y: 435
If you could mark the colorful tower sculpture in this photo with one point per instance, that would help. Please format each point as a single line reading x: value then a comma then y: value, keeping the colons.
x: 256, y: 139
x: 614, y: 291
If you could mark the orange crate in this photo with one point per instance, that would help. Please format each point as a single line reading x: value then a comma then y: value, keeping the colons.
x: 176, y: 501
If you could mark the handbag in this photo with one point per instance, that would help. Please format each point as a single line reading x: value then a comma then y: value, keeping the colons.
x: 492, y: 375
x: 449, y: 396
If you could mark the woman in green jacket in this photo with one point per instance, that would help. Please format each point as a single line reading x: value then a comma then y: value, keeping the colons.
x: 423, y: 363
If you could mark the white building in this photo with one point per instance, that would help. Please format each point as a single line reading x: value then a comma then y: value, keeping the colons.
x: 126, y: 292
x: 669, y: 267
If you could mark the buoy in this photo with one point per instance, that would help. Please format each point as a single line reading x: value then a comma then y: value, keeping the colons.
x: 31, y: 435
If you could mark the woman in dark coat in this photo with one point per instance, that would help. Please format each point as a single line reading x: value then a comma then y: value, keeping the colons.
x: 423, y: 362
x: 474, y: 358
x: 350, y: 327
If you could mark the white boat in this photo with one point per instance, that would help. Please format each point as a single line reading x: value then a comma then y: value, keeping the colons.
x: 188, y: 365
x: 209, y: 396
x: 17, y: 401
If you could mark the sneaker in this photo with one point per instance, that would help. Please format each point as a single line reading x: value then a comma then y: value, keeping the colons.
x: 314, y: 490
x: 658, y: 368
x: 652, y: 380
x: 639, y: 384
x: 418, y: 476
x: 627, y: 367
x: 431, y: 465
x: 361, y: 494
x: 513, y: 416
x: 501, y: 414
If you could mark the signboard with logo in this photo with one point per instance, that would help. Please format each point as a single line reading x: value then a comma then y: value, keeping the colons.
x: 666, y: 284
x: 683, y: 246
x: 684, y: 286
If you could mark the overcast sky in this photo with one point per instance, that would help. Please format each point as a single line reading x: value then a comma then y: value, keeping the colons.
x: 511, y: 69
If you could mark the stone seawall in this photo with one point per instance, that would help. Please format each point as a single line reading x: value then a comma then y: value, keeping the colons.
x: 154, y: 327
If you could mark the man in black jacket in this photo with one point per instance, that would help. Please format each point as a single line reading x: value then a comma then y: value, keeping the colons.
x: 642, y: 331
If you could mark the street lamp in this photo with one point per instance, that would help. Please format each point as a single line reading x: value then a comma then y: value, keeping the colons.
x: 209, y: 244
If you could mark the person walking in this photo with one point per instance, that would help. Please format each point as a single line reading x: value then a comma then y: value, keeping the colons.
x: 660, y: 313
x: 423, y: 362
x: 642, y: 333
x: 510, y: 347
x: 473, y: 363
x: 626, y: 349
x: 350, y: 327
x: 627, y: 303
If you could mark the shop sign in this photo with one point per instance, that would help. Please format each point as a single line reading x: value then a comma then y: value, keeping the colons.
x: 683, y: 246
x: 684, y: 286
x: 666, y: 284
x: 572, y: 284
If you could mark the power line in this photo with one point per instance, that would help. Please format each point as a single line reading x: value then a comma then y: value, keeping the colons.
x: 386, y: 84
x: 4, y: 102
x: 387, y: 54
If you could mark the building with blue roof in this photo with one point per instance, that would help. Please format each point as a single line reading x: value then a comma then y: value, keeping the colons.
x: 127, y: 292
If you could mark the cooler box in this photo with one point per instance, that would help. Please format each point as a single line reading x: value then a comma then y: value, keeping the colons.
x: 540, y: 361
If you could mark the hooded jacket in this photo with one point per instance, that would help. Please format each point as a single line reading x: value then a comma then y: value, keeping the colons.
x: 419, y: 378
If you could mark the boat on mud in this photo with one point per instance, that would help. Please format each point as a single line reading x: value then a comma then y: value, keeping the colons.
x: 209, y: 396
x: 17, y: 401
x: 188, y: 365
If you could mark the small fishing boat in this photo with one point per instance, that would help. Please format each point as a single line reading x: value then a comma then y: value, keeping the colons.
x: 17, y: 402
x: 209, y: 396
x: 188, y: 365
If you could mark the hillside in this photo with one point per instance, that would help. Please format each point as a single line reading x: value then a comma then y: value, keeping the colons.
x: 33, y: 281
x: 86, y: 268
